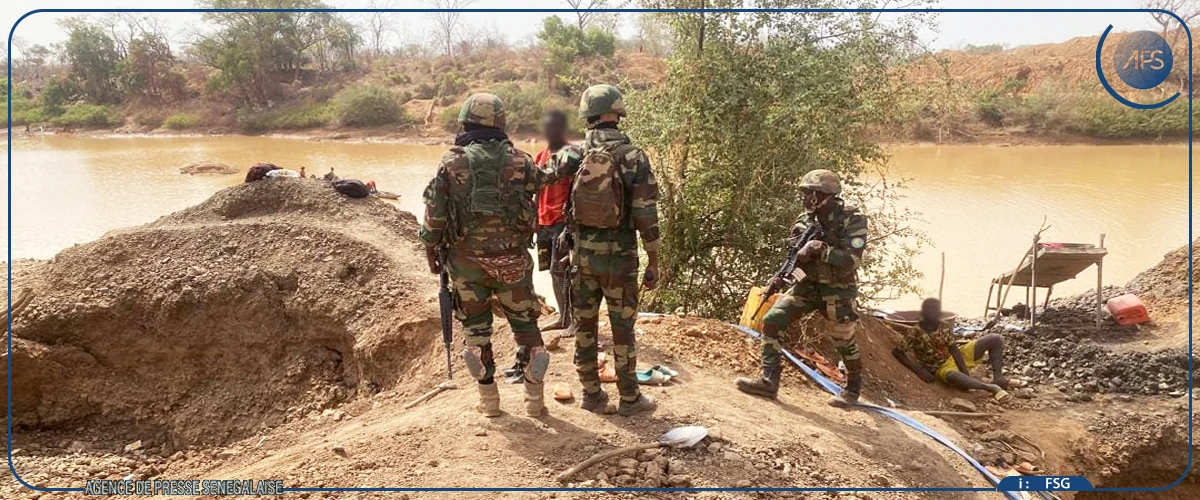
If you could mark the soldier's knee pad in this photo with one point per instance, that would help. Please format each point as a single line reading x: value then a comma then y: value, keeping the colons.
x: 842, y: 332
x: 479, y: 361
x: 539, y: 362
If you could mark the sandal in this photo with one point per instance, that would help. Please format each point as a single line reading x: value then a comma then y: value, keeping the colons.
x: 608, y: 373
x: 652, y: 377
x: 666, y: 370
x: 1029, y: 469
x: 1001, y: 396
x: 562, y: 392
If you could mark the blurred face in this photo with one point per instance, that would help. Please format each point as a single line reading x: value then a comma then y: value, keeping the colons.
x: 931, y: 310
x: 812, y: 199
x: 554, y: 129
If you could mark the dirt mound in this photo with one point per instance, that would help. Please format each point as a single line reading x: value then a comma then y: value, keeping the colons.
x: 263, y: 303
x: 1164, y: 287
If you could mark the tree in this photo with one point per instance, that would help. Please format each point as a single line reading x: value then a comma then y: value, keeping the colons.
x: 379, y: 26
x: 254, y: 51
x: 586, y: 17
x: 761, y: 100
x: 565, y: 43
x: 92, y: 57
x: 1172, y: 31
x: 653, y: 34
x: 448, y: 23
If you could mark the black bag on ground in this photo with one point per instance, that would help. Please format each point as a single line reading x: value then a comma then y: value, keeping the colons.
x: 259, y: 171
x: 352, y: 188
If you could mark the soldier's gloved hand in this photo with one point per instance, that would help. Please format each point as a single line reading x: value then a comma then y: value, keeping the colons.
x: 811, y: 250
x: 435, y: 264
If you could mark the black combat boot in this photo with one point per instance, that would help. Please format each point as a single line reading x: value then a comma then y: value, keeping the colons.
x: 849, y: 395
x: 767, y: 386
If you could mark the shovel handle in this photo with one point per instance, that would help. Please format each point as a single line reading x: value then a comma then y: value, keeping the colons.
x: 602, y: 456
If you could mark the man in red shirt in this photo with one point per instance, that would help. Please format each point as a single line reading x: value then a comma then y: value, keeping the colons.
x: 552, y: 220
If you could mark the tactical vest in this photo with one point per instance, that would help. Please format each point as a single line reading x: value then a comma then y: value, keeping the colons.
x: 489, y: 200
x: 835, y: 236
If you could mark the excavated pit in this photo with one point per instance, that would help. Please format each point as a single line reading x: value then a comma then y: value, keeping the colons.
x: 264, y: 303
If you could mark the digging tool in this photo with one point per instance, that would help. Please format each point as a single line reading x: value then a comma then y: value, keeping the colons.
x: 446, y: 307
x: 679, y: 437
x: 442, y: 387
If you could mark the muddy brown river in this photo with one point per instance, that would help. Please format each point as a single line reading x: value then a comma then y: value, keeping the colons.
x: 980, y: 204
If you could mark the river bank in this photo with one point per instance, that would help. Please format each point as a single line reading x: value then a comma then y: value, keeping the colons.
x: 433, y: 136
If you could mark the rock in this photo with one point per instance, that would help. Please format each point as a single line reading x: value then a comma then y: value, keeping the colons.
x: 338, y: 450
x: 961, y: 404
x: 208, y: 167
x: 677, y: 467
x: 481, y: 432
x: 714, y: 447
x: 134, y: 446
x: 744, y: 483
x: 627, y: 463
x: 679, y: 481
x: 601, y: 477
x: 880, y: 479
x: 729, y: 455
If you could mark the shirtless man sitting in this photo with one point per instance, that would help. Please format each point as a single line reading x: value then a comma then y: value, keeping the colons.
x: 935, y: 356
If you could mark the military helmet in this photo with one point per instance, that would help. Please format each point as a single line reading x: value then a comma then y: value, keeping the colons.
x: 601, y: 99
x: 821, y: 181
x: 483, y: 109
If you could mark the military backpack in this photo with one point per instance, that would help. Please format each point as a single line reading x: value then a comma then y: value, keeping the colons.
x: 598, y: 193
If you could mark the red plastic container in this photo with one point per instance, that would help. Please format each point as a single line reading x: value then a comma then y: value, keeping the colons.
x: 1128, y: 309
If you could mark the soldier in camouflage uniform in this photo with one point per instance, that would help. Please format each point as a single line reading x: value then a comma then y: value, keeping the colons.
x: 829, y: 285
x: 479, y: 209
x: 606, y: 258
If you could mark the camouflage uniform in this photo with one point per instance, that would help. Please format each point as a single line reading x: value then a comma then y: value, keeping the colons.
x: 480, y: 206
x: 829, y: 285
x: 606, y: 260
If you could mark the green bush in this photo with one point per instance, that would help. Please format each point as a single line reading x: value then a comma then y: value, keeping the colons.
x: 28, y: 116
x: 291, y: 118
x: 525, y: 106
x: 180, y: 121
x: 368, y: 106
x: 398, y: 79
x: 448, y: 118
x: 83, y: 116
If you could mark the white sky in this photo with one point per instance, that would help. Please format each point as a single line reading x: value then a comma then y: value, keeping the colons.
x: 953, y: 30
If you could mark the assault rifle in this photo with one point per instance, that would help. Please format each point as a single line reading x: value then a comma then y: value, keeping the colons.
x: 446, y: 305
x: 784, y: 274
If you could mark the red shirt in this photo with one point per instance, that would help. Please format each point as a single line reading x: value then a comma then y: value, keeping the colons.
x: 552, y: 200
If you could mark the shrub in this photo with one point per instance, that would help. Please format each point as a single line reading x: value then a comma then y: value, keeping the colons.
x: 291, y: 118
x: 28, y: 116
x: 526, y: 105
x: 368, y: 106
x: 180, y: 121
x: 448, y: 118
x: 425, y: 90
x: 398, y: 79
x: 84, y: 115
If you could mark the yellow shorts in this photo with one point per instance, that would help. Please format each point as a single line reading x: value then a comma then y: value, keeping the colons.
x: 968, y: 354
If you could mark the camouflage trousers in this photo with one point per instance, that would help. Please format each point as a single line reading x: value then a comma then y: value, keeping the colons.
x: 509, y: 278
x: 836, y: 304
x: 613, y: 278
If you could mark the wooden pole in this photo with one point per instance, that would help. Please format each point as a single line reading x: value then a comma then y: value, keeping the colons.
x: 1033, y: 282
x: 1100, y: 287
x: 942, y: 279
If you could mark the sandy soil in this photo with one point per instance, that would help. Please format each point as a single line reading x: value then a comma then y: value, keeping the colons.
x: 278, y: 329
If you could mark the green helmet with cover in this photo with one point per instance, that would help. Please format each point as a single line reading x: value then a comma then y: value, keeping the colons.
x: 601, y: 99
x: 483, y: 109
x: 821, y: 181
